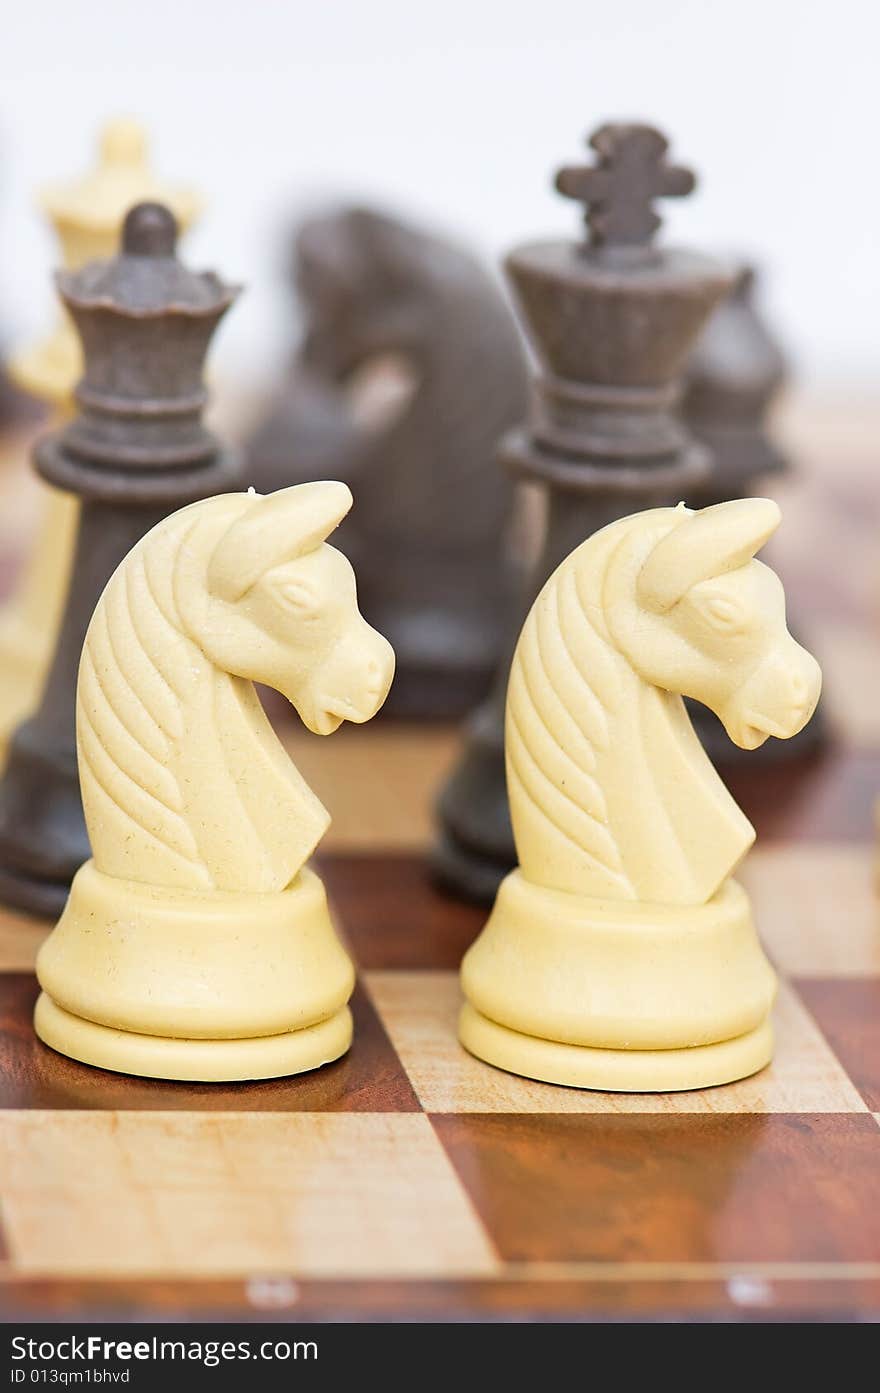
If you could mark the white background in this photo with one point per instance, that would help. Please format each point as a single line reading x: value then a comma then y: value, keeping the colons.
x: 457, y: 113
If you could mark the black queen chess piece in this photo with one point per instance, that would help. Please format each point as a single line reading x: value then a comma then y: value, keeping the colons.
x: 135, y: 451
x: 612, y: 320
x: 86, y: 216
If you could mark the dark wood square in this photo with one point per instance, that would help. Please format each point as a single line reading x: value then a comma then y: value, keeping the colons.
x: 394, y: 916
x: 689, y: 1188
x: 848, y: 1011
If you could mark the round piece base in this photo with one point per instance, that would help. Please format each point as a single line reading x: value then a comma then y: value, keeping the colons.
x: 193, y: 1061
x: 615, y: 1071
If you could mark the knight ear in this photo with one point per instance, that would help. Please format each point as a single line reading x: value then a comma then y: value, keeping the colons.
x: 704, y: 545
x: 277, y: 527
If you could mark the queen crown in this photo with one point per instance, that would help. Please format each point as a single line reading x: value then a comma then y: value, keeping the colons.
x: 145, y: 322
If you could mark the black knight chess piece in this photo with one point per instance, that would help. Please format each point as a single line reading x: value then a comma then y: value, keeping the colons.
x: 612, y: 320
x: 733, y: 377
x: 427, y: 538
x: 135, y: 451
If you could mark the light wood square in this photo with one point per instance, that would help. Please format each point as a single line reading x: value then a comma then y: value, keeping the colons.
x: 237, y: 1194
x: 419, y: 1011
x: 817, y: 907
x: 380, y: 781
x: 20, y: 941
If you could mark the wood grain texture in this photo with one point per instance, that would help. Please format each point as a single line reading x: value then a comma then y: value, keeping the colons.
x: 848, y: 1013
x: 734, y: 1188
x: 93, y: 1194
x: 392, y: 915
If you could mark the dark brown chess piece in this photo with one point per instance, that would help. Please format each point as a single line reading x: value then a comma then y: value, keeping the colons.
x: 733, y: 377
x: 427, y: 537
x: 612, y: 321
x: 136, y: 451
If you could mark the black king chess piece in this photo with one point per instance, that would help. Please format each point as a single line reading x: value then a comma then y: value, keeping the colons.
x: 733, y: 376
x: 136, y: 451
x: 612, y: 321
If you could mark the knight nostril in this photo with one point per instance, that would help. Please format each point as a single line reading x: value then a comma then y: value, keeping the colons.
x: 798, y: 687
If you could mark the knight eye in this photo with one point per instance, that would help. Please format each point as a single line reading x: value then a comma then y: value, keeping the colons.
x: 724, y: 614
x: 301, y: 599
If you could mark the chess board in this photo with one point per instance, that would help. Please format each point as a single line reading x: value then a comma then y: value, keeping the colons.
x: 408, y: 1180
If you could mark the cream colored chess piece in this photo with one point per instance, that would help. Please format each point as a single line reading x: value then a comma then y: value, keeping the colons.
x: 87, y: 216
x: 196, y: 944
x: 620, y: 954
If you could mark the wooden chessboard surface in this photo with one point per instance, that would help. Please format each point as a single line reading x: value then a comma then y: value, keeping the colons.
x: 408, y: 1179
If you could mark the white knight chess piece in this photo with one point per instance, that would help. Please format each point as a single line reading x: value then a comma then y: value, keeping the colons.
x: 620, y: 954
x: 196, y: 944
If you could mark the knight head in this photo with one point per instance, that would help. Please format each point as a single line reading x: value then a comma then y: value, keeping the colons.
x: 343, y: 273
x: 368, y: 285
x: 695, y: 613
x: 281, y: 608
